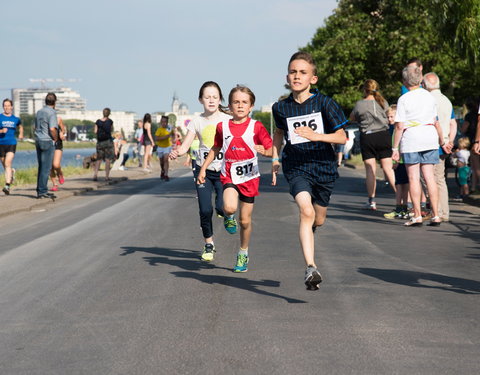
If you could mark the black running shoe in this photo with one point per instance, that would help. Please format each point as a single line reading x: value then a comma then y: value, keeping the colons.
x: 312, y: 278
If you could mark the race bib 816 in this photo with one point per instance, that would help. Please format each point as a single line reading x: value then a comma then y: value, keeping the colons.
x: 313, y: 121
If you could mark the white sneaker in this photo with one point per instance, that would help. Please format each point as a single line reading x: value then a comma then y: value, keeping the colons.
x: 122, y: 168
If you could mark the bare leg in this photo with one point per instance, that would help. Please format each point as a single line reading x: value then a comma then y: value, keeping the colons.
x: 245, y: 221
x: 371, y: 178
x: 7, y: 164
x: 415, y: 188
x: 230, y: 201
x: 386, y: 164
x: 307, y: 219
x: 107, y: 169
x: 96, y: 168
x: 429, y: 176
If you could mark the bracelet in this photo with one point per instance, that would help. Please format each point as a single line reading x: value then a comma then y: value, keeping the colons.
x: 395, y: 149
x: 275, y: 159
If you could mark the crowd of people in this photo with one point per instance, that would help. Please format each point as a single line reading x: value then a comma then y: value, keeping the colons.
x: 411, y: 140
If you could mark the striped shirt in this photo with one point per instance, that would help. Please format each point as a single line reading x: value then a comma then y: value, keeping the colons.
x: 313, y: 159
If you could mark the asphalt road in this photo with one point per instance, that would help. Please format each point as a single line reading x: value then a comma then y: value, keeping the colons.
x: 111, y: 283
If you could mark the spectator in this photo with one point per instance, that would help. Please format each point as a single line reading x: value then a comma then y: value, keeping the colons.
x: 375, y: 139
x: 140, y: 149
x: 46, y: 134
x: 446, y: 118
x: 147, y: 142
x: 463, y: 170
x: 418, y: 134
x: 105, y: 148
x: 469, y: 129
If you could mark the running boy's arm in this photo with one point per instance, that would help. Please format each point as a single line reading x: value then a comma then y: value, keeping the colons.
x: 276, y: 148
x: 263, y: 141
x: 338, y: 137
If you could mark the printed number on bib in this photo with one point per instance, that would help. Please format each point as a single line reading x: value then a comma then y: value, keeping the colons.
x: 245, y: 170
x: 313, y: 121
x: 216, y: 164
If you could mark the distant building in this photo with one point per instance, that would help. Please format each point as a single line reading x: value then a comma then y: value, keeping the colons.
x: 29, y: 101
x: 266, y: 108
x: 181, y: 111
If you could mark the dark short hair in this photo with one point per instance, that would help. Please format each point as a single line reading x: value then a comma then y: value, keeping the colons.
x: 164, y: 117
x: 306, y: 57
x: 106, y: 112
x: 50, y: 99
x: 415, y: 60
x: 7, y: 100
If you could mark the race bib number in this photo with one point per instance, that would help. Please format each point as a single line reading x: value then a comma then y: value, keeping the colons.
x: 245, y: 170
x: 216, y: 164
x: 313, y: 121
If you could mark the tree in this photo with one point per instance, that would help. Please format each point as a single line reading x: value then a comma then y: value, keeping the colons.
x: 265, y: 118
x: 374, y: 39
x: 28, y: 123
x: 458, y: 22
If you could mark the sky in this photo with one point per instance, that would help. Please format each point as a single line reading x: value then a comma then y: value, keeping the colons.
x: 133, y: 55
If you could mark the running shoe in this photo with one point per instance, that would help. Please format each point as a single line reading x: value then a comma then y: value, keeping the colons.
x: 55, y: 188
x: 208, y: 252
x: 242, y: 263
x: 6, y: 190
x: 230, y: 224
x: 47, y: 196
x: 312, y: 278
x: 371, y: 206
x: 394, y: 214
x: 61, y: 180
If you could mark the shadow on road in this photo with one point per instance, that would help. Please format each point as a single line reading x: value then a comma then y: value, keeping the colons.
x: 189, y: 260
x: 240, y: 283
x: 424, y: 280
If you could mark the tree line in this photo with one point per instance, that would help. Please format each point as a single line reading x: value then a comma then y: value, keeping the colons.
x: 375, y: 38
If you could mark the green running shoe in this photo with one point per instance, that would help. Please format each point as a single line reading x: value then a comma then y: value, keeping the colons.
x: 230, y: 224
x: 242, y: 263
x: 208, y: 252
x: 391, y: 215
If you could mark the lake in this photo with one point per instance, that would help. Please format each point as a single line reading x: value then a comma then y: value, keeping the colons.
x: 71, y: 157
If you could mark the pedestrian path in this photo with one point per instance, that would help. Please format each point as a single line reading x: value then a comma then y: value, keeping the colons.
x: 23, y: 198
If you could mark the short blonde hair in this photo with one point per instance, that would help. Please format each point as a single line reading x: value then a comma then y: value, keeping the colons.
x: 464, y: 142
x: 392, y: 108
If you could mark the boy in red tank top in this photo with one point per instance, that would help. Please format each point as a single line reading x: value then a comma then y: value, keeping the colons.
x: 239, y: 139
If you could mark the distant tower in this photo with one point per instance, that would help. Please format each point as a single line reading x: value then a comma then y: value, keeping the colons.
x: 175, y: 103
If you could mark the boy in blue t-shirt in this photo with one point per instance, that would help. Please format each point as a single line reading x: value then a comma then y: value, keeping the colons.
x: 310, y: 123
x: 8, y: 144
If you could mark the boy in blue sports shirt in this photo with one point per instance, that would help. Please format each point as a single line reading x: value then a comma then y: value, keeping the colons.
x: 310, y: 123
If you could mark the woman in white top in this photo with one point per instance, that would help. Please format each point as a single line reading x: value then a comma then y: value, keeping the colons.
x: 418, y: 134
x: 204, y: 127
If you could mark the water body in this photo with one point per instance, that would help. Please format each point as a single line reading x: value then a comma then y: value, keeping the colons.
x: 71, y: 157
